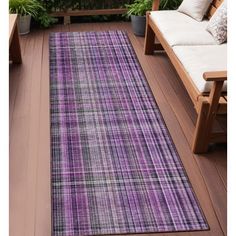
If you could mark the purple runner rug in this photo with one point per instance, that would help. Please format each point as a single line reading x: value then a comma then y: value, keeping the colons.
x: 115, y: 168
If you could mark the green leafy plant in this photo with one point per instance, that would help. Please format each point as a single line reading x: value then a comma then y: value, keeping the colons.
x: 169, y: 4
x: 25, y: 7
x: 45, y: 20
x: 33, y: 8
x: 63, y: 5
x: 140, y: 7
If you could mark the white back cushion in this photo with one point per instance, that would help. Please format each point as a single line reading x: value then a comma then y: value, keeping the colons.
x: 195, y: 8
x: 180, y: 29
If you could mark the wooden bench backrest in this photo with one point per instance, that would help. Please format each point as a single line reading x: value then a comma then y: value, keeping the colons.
x: 213, y: 7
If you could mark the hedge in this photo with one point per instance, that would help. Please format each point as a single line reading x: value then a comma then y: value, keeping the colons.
x: 63, y: 5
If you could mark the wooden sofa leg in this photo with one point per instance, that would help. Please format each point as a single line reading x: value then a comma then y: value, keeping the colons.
x: 206, y: 117
x: 201, y: 135
x: 149, y: 38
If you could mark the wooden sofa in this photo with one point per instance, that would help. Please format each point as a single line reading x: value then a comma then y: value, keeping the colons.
x: 207, y: 104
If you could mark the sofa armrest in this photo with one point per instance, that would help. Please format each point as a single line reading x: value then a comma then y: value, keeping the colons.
x: 215, y: 76
x: 155, y: 5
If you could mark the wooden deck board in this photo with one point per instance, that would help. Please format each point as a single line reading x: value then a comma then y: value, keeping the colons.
x: 30, y: 135
x: 19, y: 147
x: 34, y: 129
x: 16, y: 73
x: 43, y: 201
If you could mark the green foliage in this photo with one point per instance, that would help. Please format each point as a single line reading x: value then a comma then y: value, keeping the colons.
x: 44, y: 20
x: 63, y: 5
x: 169, y: 4
x: 33, y: 8
x: 25, y: 7
x: 140, y: 7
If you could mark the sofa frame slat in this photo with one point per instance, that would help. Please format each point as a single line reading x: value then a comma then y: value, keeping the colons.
x: 217, y: 3
x: 14, y: 41
x: 213, y: 7
x: 211, y: 11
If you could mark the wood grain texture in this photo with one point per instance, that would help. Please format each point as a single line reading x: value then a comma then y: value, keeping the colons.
x: 155, y: 5
x: 90, y: 12
x: 213, y: 7
x: 30, y: 204
x: 19, y: 137
x: 215, y: 76
x: 12, y: 25
x: 14, y: 42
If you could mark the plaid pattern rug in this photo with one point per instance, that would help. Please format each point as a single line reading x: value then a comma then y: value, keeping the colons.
x: 114, y: 166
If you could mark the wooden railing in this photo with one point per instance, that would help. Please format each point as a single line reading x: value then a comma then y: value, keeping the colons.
x: 67, y: 14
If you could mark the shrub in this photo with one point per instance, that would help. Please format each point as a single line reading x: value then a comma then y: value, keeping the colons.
x: 140, y: 7
x: 33, y: 8
x: 169, y: 4
x: 25, y: 7
x: 52, y: 5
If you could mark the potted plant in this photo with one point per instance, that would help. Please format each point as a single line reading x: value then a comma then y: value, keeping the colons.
x: 137, y: 12
x: 25, y: 9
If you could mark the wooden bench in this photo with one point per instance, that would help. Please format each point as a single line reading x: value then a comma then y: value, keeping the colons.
x: 207, y: 105
x: 14, y: 42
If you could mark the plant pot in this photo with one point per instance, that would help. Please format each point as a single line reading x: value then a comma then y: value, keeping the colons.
x: 24, y: 24
x: 138, y: 25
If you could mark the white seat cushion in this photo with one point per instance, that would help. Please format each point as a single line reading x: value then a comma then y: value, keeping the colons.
x: 180, y: 29
x: 199, y: 59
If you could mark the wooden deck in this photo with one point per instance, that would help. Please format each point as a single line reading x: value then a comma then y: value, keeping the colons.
x: 30, y: 213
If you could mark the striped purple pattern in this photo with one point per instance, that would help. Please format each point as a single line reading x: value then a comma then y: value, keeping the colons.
x: 115, y: 168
